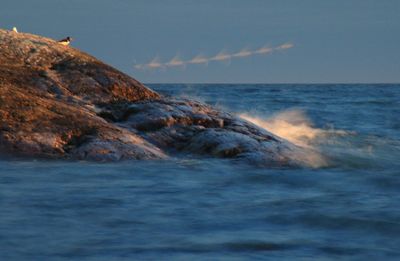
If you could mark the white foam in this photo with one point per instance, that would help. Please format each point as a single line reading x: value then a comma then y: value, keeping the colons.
x: 294, y: 126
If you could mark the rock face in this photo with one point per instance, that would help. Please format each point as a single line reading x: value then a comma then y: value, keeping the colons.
x: 58, y: 102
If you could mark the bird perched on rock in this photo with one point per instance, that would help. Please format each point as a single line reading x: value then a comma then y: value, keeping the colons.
x: 65, y: 41
x: 15, y: 29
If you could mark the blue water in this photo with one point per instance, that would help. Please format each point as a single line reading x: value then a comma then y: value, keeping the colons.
x: 218, y: 209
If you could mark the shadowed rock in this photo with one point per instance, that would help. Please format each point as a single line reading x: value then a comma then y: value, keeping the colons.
x: 58, y: 102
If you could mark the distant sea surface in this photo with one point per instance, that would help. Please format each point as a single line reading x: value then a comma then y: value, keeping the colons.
x: 198, y: 208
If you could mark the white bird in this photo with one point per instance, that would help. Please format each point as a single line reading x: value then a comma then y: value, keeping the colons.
x: 15, y: 29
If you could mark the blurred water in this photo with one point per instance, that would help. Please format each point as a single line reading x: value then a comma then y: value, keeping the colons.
x: 213, y: 209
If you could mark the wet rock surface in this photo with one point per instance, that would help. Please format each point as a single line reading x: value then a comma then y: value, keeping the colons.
x: 58, y: 102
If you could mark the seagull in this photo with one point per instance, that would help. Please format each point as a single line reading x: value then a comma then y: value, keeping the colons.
x: 65, y: 41
x: 15, y: 29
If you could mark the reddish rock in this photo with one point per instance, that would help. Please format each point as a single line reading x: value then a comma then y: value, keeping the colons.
x: 48, y: 94
x: 58, y: 102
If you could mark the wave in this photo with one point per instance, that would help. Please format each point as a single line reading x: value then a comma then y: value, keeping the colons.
x: 329, y: 147
x: 320, y: 147
x: 294, y: 126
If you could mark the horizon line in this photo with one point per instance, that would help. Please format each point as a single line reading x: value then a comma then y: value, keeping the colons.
x: 282, y: 83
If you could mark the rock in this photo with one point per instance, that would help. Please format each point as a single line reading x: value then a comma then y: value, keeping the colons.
x: 58, y: 102
x: 48, y: 94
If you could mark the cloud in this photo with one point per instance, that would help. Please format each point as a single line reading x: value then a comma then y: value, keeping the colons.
x: 220, y: 57
x: 263, y: 50
x: 199, y: 59
x: 242, y: 53
x: 284, y: 46
x: 176, y: 61
x: 154, y: 64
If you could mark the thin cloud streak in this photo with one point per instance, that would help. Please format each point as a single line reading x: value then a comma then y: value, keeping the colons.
x: 199, y: 59
x: 176, y: 61
x: 243, y: 53
x: 263, y: 50
x: 284, y: 46
x: 154, y: 64
x: 222, y: 56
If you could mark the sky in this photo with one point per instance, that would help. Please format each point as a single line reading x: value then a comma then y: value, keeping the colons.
x: 341, y: 41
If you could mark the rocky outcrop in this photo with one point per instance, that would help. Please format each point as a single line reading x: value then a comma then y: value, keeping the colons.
x: 58, y: 102
x: 48, y: 94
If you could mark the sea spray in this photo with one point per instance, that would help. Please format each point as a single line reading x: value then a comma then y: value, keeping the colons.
x: 323, y: 147
x: 294, y: 125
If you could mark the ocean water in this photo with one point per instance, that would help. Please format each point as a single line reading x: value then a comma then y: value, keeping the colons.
x: 219, y: 209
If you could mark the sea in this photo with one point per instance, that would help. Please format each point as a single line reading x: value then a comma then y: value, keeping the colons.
x: 190, y: 207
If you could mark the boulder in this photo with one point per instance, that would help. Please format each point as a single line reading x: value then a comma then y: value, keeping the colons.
x: 59, y: 102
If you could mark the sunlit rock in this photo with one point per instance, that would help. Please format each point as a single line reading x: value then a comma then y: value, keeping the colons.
x: 58, y: 102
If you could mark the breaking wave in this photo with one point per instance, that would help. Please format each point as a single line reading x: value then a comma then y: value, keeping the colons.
x: 294, y: 126
x: 329, y: 147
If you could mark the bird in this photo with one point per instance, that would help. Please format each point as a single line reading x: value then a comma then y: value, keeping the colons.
x: 15, y: 29
x: 65, y: 41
